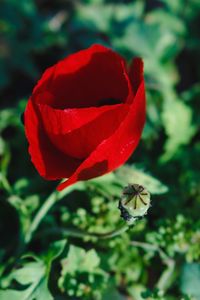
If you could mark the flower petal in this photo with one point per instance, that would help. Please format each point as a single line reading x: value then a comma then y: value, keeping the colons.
x: 114, y: 151
x: 49, y: 161
x: 77, y: 132
x: 136, y: 73
x: 57, y: 121
x: 84, y: 79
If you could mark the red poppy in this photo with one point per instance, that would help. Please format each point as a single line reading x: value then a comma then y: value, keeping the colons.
x: 86, y: 115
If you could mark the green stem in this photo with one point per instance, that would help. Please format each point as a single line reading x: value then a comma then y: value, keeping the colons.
x: 152, y: 247
x: 6, y: 184
x: 47, y: 205
x: 166, y: 277
x: 51, y: 200
x: 111, y: 234
x: 83, y: 234
x: 42, y: 212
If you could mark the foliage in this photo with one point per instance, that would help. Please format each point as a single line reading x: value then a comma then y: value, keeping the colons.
x: 189, y: 279
x: 81, y: 275
x: 32, y: 277
x: 53, y: 245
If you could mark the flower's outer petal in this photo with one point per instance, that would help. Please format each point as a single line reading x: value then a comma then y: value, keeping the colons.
x: 45, y: 81
x: 84, y: 138
x: 49, y: 161
x: 84, y: 79
x: 114, y: 151
x: 136, y: 73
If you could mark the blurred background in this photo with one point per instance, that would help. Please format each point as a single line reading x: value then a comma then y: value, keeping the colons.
x: 159, y: 258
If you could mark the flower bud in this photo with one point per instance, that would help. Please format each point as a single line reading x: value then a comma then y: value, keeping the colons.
x: 135, y: 202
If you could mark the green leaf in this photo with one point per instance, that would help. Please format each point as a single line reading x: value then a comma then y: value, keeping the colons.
x: 33, y: 277
x: 81, y: 274
x: 8, y: 117
x: 129, y: 174
x: 108, y: 185
x: 170, y: 21
x: 5, y: 157
x: 190, y: 279
x: 91, y: 16
x: 150, y: 41
x: 80, y: 260
x: 101, y: 16
x: 54, y: 251
x: 177, y: 119
x: 112, y: 293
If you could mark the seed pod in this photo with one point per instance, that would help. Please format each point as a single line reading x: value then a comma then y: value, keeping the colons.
x: 135, y: 202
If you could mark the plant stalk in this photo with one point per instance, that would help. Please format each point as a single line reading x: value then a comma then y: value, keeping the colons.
x: 65, y: 232
x: 47, y: 205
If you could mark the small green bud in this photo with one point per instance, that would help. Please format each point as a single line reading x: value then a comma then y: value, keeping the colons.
x: 135, y: 202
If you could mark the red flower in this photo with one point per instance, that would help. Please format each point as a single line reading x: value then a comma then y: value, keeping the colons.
x: 86, y: 115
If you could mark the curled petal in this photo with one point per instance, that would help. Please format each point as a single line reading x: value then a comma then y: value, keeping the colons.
x: 77, y: 132
x: 84, y: 79
x: 114, y: 151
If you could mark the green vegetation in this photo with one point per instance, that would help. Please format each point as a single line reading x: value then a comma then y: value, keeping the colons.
x: 53, y: 245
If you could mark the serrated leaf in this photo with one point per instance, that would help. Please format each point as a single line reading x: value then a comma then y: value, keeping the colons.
x: 33, y: 277
x: 80, y: 260
x: 81, y: 268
